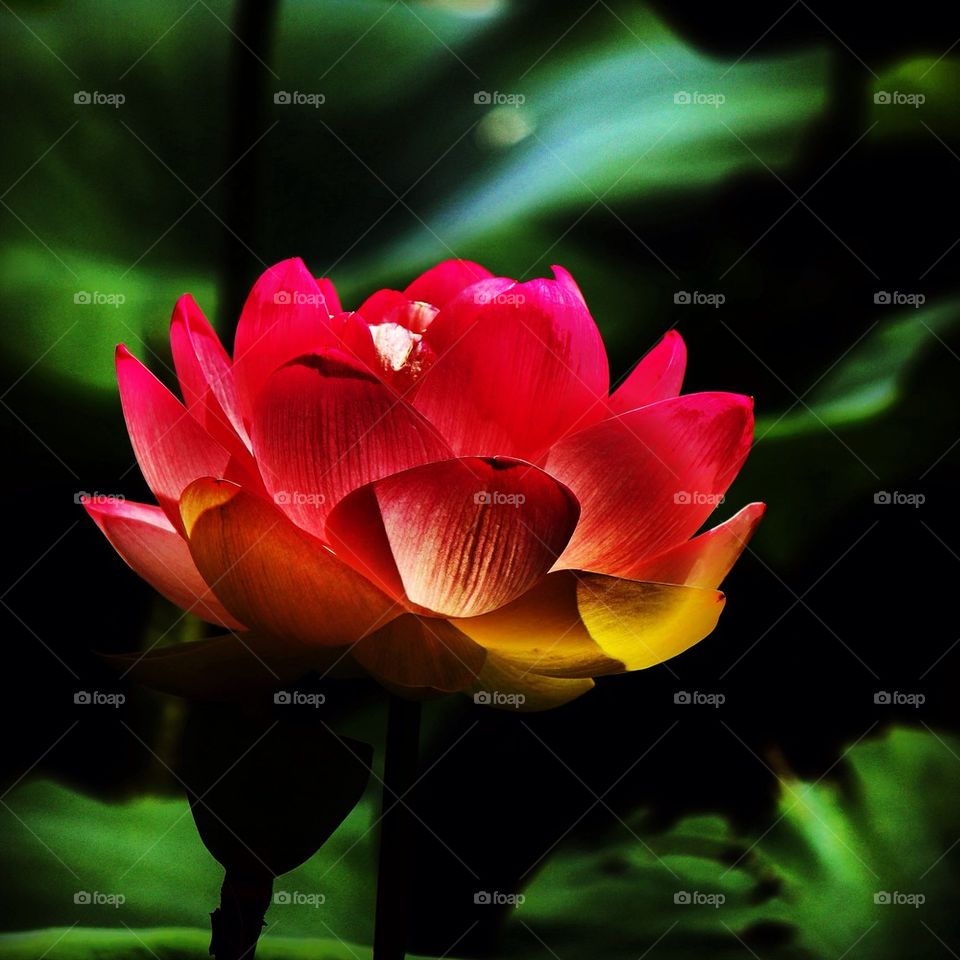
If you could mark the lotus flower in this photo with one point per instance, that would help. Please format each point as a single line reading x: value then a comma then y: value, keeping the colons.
x: 438, y: 487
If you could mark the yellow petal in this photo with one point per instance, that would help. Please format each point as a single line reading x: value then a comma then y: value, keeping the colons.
x: 576, y: 624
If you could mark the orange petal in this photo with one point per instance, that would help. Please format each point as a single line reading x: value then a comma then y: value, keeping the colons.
x: 421, y: 652
x: 505, y: 686
x: 275, y: 577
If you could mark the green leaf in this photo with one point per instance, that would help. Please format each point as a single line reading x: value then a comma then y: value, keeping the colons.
x: 871, y: 378
x: 807, y: 883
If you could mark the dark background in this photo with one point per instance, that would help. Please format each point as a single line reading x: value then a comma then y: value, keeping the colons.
x: 799, y: 200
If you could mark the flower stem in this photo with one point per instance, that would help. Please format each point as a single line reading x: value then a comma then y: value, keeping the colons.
x: 236, y: 924
x: 396, y: 830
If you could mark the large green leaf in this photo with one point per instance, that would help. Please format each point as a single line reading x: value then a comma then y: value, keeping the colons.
x: 805, y: 887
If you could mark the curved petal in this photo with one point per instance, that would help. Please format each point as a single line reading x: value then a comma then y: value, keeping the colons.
x: 459, y: 537
x: 517, y: 367
x: 206, y: 377
x: 225, y: 668
x: 583, y: 624
x: 170, y: 446
x: 285, y: 316
x: 505, y: 686
x: 440, y: 284
x: 564, y: 277
x: 330, y: 294
x: 420, y: 653
x: 154, y: 550
x: 648, y: 479
x: 658, y: 376
x: 706, y: 560
x: 324, y: 426
x: 274, y: 576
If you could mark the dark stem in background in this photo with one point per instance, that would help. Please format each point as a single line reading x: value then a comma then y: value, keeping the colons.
x: 396, y: 830
x: 249, y: 95
x: 237, y: 923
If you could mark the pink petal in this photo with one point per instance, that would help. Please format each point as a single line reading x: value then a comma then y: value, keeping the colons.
x: 459, y: 537
x: 706, y: 560
x: 154, y: 550
x: 648, y: 479
x: 564, y: 277
x: 325, y: 426
x: 330, y: 295
x: 206, y: 376
x: 440, y: 284
x: 171, y: 447
x: 285, y: 316
x: 518, y: 366
x: 276, y: 577
x: 658, y: 376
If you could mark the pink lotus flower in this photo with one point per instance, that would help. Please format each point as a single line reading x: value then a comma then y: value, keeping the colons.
x: 438, y: 486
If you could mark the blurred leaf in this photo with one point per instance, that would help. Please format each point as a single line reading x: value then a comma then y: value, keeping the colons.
x: 805, y: 888
x: 147, y: 849
x: 601, y: 123
x: 83, y: 943
x: 869, y: 379
x: 916, y: 92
